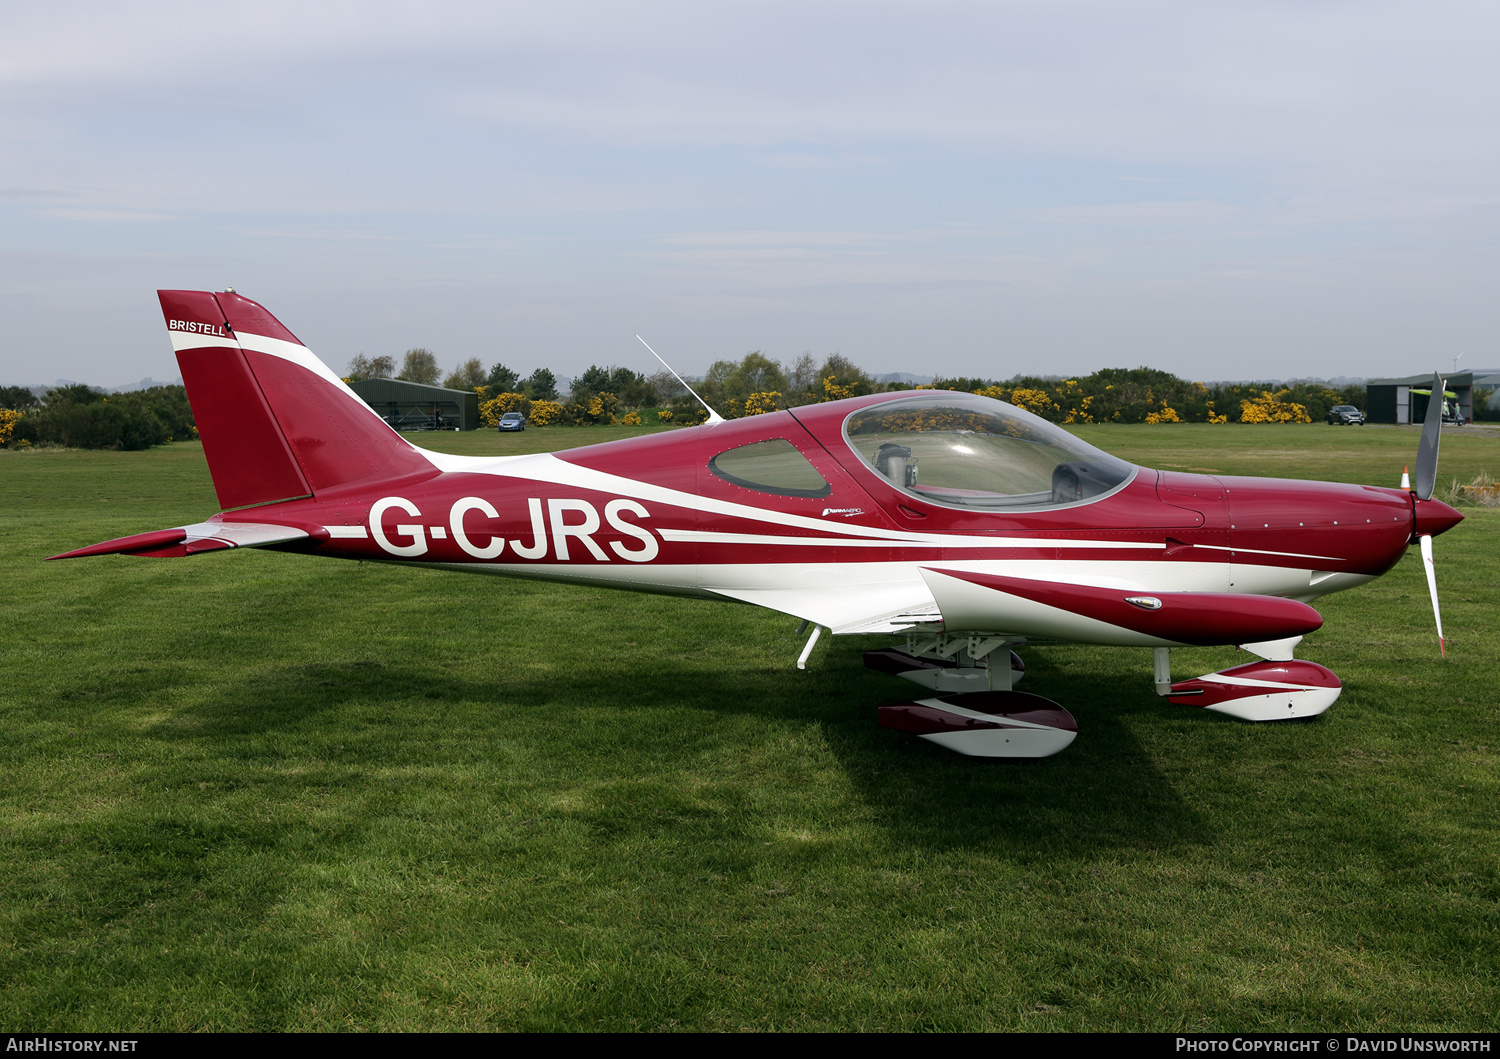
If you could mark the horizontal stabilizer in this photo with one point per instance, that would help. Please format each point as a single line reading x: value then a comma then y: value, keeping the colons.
x: 1089, y: 614
x: 199, y: 537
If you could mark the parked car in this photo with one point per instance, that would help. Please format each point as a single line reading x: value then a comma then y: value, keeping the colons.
x: 512, y: 421
x: 1343, y: 415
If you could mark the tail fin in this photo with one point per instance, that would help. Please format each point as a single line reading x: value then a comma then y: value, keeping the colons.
x: 276, y: 424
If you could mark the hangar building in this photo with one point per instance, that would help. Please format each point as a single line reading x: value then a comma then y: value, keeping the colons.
x: 1392, y: 400
x: 413, y: 406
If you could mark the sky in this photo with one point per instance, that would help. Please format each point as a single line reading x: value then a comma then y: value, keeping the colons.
x: 1221, y: 190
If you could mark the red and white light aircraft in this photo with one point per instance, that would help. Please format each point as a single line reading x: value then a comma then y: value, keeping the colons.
x: 961, y: 525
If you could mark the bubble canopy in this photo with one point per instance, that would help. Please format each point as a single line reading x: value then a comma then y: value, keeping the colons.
x: 975, y: 452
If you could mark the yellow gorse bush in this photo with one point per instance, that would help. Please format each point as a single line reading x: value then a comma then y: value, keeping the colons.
x: 491, y: 411
x: 1034, y: 401
x: 761, y: 403
x: 832, y: 391
x: 8, y: 420
x: 1270, y: 408
x: 1077, y: 402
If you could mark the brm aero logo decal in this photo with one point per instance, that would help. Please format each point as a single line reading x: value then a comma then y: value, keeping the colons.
x: 565, y: 521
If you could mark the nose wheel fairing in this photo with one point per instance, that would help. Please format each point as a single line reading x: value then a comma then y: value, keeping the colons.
x: 1262, y: 691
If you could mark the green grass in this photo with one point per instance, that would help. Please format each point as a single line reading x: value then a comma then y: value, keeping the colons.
x: 262, y: 791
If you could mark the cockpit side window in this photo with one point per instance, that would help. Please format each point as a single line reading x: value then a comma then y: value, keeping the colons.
x: 975, y: 452
x: 774, y: 467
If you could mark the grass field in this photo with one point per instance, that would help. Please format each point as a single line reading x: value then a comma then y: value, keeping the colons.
x: 266, y: 792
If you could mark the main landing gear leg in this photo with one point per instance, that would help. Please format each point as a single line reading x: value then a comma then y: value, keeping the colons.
x: 987, y: 717
x: 1280, y: 688
x: 952, y: 663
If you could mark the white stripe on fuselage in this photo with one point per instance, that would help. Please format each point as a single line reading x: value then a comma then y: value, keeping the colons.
x: 548, y: 468
x: 715, y: 537
x: 848, y: 597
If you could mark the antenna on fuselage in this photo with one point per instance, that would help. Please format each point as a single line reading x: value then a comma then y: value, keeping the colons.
x: 713, y: 417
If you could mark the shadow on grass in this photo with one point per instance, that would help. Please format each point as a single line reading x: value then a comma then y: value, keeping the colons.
x: 1100, y: 795
x: 1103, y: 793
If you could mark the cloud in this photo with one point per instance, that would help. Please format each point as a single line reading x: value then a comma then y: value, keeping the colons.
x: 1146, y: 80
x: 110, y: 216
x: 36, y: 194
x: 1134, y: 214
x: 27, y: 268
x: 1119, y: 171
x: 774, y: 239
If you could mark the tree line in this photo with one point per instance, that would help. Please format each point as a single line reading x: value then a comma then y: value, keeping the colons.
x: 421, y: 366
x: 80, y: 416
x: 758, y: 383
x: 1147, y: 395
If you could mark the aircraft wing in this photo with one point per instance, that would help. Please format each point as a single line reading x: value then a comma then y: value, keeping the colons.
x: 979, y: 602
x: 964, y: 601
x: 199, y: 537
x: 890, y: 606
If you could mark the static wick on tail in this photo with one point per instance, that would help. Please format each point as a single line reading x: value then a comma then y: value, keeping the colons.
x: 713, y: 417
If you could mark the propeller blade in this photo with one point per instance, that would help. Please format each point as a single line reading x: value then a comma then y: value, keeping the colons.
x: 1426, y: 543
x: 1427, y: 449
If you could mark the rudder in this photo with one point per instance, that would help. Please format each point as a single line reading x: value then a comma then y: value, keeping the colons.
x: 248, y: 456
x: 276, y: 423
